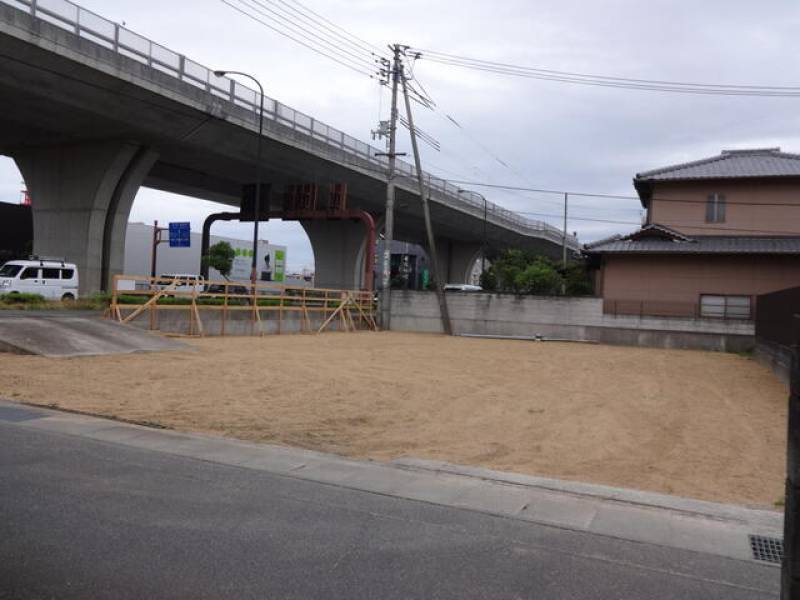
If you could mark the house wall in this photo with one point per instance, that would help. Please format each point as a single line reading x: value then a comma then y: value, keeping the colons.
x: 756, y: 217
x: 682, y: 278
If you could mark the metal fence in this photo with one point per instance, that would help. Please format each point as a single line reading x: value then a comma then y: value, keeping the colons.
x: 113, y: 36
x: 683, y: 310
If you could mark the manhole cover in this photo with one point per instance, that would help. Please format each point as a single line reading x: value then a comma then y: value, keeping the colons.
x: 768, y: 549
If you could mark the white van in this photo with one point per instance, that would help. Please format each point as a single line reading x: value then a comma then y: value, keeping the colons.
x: 51, y: 278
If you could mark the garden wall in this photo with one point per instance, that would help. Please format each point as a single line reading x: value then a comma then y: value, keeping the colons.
x: 564, y: 318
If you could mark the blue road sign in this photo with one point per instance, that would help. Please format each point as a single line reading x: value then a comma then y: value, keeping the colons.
x: 180, y: 235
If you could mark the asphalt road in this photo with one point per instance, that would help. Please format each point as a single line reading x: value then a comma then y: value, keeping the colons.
x: 87, y: 519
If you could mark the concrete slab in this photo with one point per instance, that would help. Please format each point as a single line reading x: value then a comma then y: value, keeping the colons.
x: 632, y: 523
x: 496, y: 499
x: 67, y: 336
x: 68, y: 424
x: 708, y: 535
x: 560, y: 510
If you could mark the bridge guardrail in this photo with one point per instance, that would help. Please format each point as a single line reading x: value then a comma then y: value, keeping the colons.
x: 113, y: 36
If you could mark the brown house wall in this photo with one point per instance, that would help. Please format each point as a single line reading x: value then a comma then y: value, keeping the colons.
x: 757, y: 214
x: 681, y: 279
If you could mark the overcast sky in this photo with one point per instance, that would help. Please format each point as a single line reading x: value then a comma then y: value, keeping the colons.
x: 552, y: 135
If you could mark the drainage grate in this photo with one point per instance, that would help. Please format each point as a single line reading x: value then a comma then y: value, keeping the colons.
x: 768, y: 549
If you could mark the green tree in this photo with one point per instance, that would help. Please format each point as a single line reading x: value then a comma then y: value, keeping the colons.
x: 220, y: 256
x: 539, y: 277
x: 578, y: 280
x: 521, y: 272
x: 488, y: 280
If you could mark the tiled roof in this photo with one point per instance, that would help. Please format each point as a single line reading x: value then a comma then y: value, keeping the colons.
x: 699, y: 245
x: 759, y: 162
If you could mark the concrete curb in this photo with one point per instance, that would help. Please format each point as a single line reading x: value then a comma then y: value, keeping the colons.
x: 703, y: 527
x: 768, y: 520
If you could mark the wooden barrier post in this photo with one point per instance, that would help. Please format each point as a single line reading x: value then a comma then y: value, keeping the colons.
x: 224, y: 309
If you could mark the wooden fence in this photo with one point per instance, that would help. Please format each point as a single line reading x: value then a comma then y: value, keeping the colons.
x: 231, y: 308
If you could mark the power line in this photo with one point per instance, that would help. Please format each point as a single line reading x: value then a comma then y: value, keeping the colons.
x: 281, y: 16
x: 610, y: 78
x: 672, y: 224
x: 609, y: 81
x: 346, y: 36
x: 312, y: 37
x: 341, y: 61
x: 617, y: 196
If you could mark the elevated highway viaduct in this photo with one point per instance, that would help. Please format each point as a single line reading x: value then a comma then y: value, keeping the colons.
x: 91, y: 111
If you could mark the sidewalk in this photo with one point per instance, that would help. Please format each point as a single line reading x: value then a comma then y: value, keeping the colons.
x: 716, y: 529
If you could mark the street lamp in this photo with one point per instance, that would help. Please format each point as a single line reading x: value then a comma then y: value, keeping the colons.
x: 485, y: 219
x: 257, y: 207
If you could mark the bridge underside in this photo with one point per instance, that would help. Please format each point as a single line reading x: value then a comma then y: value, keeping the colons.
x: 86, y: 138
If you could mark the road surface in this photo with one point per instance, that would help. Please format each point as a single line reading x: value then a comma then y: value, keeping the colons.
x: 82, y: 518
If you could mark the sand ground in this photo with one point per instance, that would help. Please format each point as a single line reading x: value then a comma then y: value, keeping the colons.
x: 697, y: 424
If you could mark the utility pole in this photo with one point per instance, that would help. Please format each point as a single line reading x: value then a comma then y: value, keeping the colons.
x: 485, y: 248
x: 395, y: 72
x: 154, y: 252
x: 564, y: 246
x: 445, y: 314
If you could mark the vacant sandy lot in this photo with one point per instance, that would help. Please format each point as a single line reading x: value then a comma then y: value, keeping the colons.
x: 705, y: 425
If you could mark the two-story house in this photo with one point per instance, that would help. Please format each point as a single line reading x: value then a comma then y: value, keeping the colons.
x: 719, y: 232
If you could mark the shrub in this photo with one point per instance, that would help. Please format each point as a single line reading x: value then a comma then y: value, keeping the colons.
x: 22, y: 299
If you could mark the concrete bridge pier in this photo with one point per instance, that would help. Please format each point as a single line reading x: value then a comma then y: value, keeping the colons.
x: 81, y: 199
x: 340, y: 250
x: 457, y: 259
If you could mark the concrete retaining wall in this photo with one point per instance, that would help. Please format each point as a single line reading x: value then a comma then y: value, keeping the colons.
x: 775, y: 356
x: 178, y: 321
x: 564, y: 318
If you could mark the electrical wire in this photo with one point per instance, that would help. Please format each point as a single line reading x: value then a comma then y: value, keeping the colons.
x: 324, y: 25
x: 296, y: 30
x: 349, y: 37
x: 617, y: 196
x: 714, y: 89
x: 286, y: 19
x: 317, y: 50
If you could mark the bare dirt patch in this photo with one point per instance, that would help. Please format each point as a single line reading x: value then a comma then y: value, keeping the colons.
x: 697, y: 424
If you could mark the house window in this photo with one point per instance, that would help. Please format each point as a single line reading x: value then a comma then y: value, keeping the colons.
x: 725, y: 307
x: 715, y: 208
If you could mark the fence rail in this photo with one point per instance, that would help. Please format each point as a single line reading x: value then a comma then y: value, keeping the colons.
x: 113, y: 36
x: 659, y: 308
x: 232, y: 308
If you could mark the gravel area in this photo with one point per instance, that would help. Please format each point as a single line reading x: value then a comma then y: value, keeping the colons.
x: 697, y: 424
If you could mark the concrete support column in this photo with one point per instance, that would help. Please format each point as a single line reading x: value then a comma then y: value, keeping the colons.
x: 82, y: 196
x: 457, y: 259
x: 339, y: 251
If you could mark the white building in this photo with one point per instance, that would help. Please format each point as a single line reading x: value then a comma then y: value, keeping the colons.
x: 138, y: 256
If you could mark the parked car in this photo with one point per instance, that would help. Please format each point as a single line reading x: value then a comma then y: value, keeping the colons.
x: 52, y: 278
x: 462, y: 287
x: 233, y: 289
x: 181, y: 282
